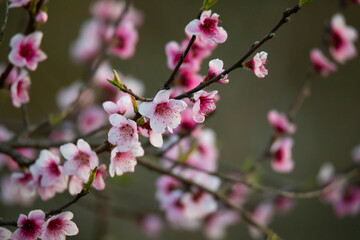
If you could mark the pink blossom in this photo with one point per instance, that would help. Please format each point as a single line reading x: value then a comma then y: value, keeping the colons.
x: 188, y: 79
x: 91, y: 119
x: 217, y: 222
x: 15, y: 190
x: 75, y: 185
x: 356, y: 154
x: 80, y: 159
x: 5, y: 234
x: 69, y: 94
x: 174, y: 51
x: 126, y: 38
x: 281, y: 122
x: 155, y: 138
x: 107, y: 10
x: 282, y: 155
x: 207, y: 28
x: 29, y: 227
x: 349, y: 203
x: 49, y: 168
x: 342, y: 39
x: 59, y: 226
x: 18, y: 3
x: 216, y: 68
x: 121, y: 162
x: 257, y: 64
x: 11, y: 76
x: 26, y: 50
x: 262, y: 214
x: 47, y: 192
x: 198, y: 204
x: 123, y: 133
x: 238, y: 194
x: 327, y: 176
x: 5, y: 134
x: 283, y: 204
x: 187, y: 122
x: 64, y: 132
x: 99, y: 181
x: 89, y: 43
x: 151, y: 224
x: 123, y: 106
x: 41, y: 17
x: 19, y: 89
x: 320, y: 63
x: 204, y: 105
x: 163, y: 112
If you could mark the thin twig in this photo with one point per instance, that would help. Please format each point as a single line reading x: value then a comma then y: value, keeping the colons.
x: 239, y: 64
x: 3, y: 26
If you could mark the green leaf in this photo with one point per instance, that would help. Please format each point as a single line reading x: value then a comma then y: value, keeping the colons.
x: 55, y: 119
x: 273, y: 236
x: 135, y: 105
x: 248, y: 165
x: 208, y: 4
x: 116, y: 81
x: 140, y: 121
x: 90, y: 181
x: 304, y: 2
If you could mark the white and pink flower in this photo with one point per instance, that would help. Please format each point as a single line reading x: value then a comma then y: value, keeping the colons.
x: 217, y: 222
x: 99, y: 181
x: 19, y: 89
x: 281, y: 122
x: 281, y: 150
x: 123, y: 106
x: 349, y: 203
x: 204, y: 104
x: 48, y: 165
x: 342, y: 39
x: 174, y: 51
x: 121, y: 162
x: 320, y: 63
x: 216, y: 68
x: 126, y: 38
x: 59, y: 226
x: 30, y: 228
x: 25, y: 50
x: 5, y: 234
x: 164, y: 113
x: 207, y: 28
x: 151, y: 224
x: 123, y: 134
x: 263, y: 215
x: 81, y: 160
x: 155, y: 138
x: 91, y: 119
x: 41, y: 17
x: 257, y: 64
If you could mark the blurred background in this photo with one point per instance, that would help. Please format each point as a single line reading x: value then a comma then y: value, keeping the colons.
x: 328, y: 122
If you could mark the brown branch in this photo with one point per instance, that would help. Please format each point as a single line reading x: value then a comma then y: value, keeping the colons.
x: 3, y: 26
x: 21, y: 160
x: 239, y: 64
x: 244, y: 213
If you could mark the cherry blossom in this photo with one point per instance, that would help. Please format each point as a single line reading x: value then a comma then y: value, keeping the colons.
x: 217, y: 222
x: 262, y: 214
x: 123, y: 106
x: 29, y: 227
x: 174, y: 51
x: 41, y: 17
x: 151, y: 224
x: 207, y: 28
x: 48, y: 165
x: 257, y: 64
x: 188, y: 79
x: 349, y: 203
x: 91, y: 119
x: 75, y: 185
x: 342, y: 39
x: 11, y: 76
x: 198, y: 204
x: 282, y: 155
x: 19, y: 89
x: 5, y: 234
x: 99, y: 181
x: 59, y: 226
x: 327, y: 176
x: 216, y: 68
x: 320, y: 63
x: 123, y: 133
x: 204, y: 104
x: 155, y: 138
x: 107, y: 10
x: 25, y: 50
x: 164, y: 113
x: 80, y: 159
x: 121, y: 162
x: 126, y: 38
x: 18, y: 3
x: 283, y: 204
x: 281, y: 122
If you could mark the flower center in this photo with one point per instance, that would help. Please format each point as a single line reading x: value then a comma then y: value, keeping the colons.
x: 55, y: 225
x: 207, y: 105
x: 82, y: 157
x: 27, y: 51
x: 209, y: 26
x: 54, y: 169
x: 162, y: 109
x: 337, y: 40
x: 29, y: 226
x: 279, y: 155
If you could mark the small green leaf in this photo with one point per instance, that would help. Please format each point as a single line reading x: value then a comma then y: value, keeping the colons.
x: 208, y: 3
x: 248, y: 165
x: 273, y: 236
x: 135, y: 105
x: 56, y: 118
x: 90, y: 181
x: 304, y: 2
x: 140, y: 121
